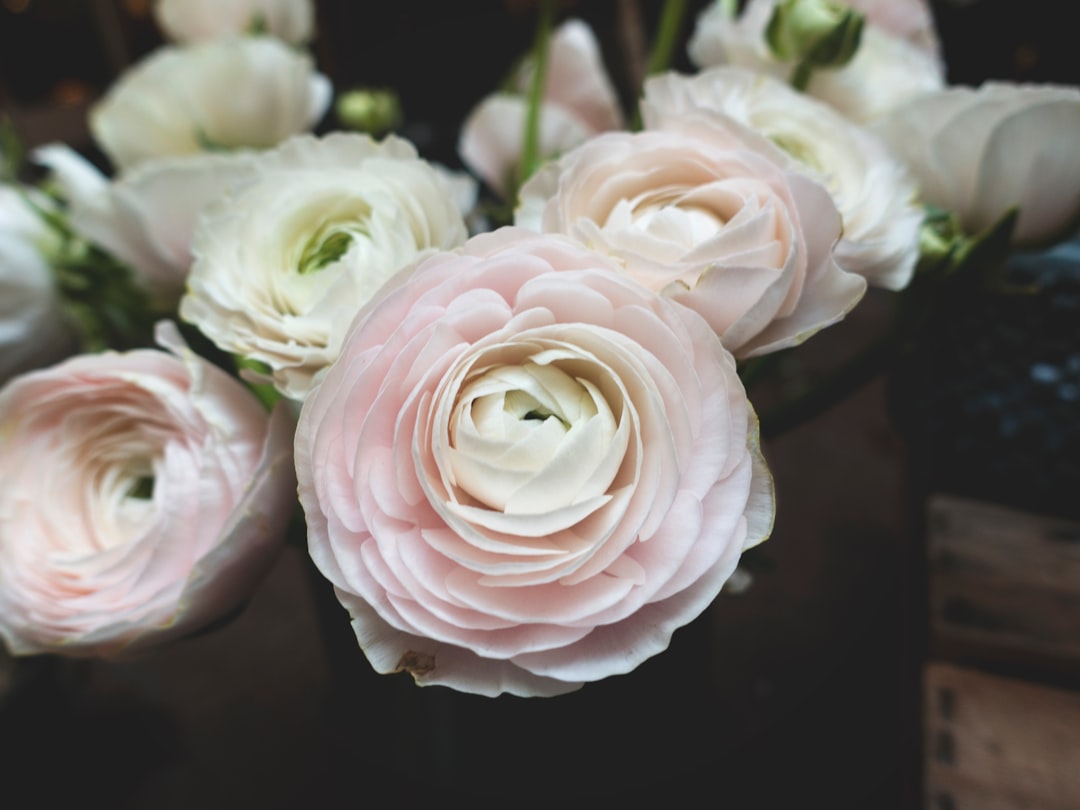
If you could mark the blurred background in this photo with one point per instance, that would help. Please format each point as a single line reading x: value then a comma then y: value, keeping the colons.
x: 806, y: 689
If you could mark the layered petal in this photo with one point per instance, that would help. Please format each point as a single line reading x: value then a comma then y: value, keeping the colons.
x: 524, y: 470
x: 144, y: 495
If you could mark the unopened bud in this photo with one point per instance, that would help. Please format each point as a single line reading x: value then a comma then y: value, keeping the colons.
x: 375, y: 111
x: 814, y: 33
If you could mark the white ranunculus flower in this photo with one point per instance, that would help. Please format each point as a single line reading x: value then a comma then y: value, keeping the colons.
x: 145, y: 217
x: 886, y: 70
x: 251, y: 92
x: 198, y: 20
x: 284, y: 262
x: 982, y: 152
x: 33, y: 330
x: 872, y: 188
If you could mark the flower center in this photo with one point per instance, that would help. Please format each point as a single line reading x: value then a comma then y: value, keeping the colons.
x: 328, y: 245
x: 525, y: 438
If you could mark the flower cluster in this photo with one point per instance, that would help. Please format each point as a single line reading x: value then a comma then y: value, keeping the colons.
x: 525, y: 457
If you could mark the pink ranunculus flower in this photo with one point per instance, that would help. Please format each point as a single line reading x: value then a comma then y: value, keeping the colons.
x: 579, y: 101
x: 525, y: 471
x: 872, y: 188
x: 699, y: 211
x: 142, y: 496
x: 981, y: 152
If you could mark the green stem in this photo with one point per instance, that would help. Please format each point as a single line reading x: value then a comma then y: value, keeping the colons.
x: 671, y: 20
x: 530, y: 151
x: 667, y: 36
x: 800, y: 77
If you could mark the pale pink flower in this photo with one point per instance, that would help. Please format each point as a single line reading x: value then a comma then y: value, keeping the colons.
x: 981, y: 152
x: 700, y: 212
x: 579, y: 101
x: 142, y: 496
x: 525, y: 471
x: 872, y: 188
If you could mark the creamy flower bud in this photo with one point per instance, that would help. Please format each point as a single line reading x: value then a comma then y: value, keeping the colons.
x: 819, y: 33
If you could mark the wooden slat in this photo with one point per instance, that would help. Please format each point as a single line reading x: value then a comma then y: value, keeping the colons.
x: 999, y: 744
x: 1004, y: 582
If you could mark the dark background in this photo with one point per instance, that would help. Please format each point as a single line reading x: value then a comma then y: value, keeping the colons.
x: 801, y: 692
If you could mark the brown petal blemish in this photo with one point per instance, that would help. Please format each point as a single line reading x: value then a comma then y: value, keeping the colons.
x: 416, y: 663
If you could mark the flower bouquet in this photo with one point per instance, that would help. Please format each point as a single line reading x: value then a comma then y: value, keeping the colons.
x: 509, y: 412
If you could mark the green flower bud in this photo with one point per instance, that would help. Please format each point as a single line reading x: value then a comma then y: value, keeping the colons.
x: 814, y: 33
x: 375, y: 111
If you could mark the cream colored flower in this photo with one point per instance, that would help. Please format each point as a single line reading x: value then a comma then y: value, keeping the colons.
x: 145, y: 217
x: 283, y: 264
x: 886, y: 70
x: 292, y: 21
x: 33, y: 330
x: 872, y: 189
x: 982, y: 152
x: 251, y: 92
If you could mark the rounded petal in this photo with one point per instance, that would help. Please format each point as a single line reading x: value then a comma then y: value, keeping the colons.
x: 524, y: 471
x: 144, y: 495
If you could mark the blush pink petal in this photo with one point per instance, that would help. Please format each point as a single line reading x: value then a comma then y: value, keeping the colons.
x: 485, y: 598
x: 88, y: 569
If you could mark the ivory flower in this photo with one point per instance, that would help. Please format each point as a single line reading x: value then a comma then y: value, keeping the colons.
x: 292, y: 21
x: 33, y: 330
x: 142, y: 495
x: 519, y: 480
x: 982, y: 152
x: 872, y: 188
x: 910, y: 20
x: 699, y: 212
x: 579, y: 101
x: 250, y: 92
x: 885, y: 71
x: 284, y: 263
x: 145, y: 217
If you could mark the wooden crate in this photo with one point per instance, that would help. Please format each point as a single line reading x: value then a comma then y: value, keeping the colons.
x: 1004, y: 587
x: 995, y: 743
